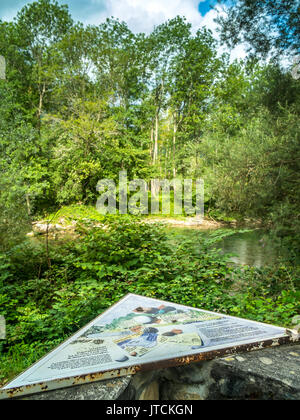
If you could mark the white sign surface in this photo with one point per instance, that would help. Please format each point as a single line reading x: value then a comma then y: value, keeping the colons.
x: 139, y: 330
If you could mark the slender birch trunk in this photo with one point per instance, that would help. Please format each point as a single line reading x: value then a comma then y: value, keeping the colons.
x: 155, y: 152
x: 174, y: 147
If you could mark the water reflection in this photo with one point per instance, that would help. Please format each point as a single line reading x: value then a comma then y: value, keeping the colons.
x: 251, y: 248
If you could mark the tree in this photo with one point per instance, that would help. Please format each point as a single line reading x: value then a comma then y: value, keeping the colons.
x: 118, y: 62
x: 266, y: 26
x: 40, y: 26
x: 90, y: 146
x: 164, y: 44
x: 74, y: 80
x: 193, y: 73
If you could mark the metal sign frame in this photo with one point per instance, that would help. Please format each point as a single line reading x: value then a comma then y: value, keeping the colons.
x: 287, y: 336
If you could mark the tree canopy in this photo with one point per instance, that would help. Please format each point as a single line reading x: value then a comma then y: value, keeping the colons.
x: 266, y: 26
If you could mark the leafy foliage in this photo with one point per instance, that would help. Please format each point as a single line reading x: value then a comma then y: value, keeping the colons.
x: 43, y: 306
x: 79, y: 104
x: 267, y: 26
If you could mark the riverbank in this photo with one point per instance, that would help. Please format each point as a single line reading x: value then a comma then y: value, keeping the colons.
x: 52, y: 289
x: 67, y: 218
x: 64, y: 226
x: 192, y: 222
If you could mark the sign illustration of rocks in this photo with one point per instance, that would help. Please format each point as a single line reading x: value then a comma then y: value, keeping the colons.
x: 142, y: 333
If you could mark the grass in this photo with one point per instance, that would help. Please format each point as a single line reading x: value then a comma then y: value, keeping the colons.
x: 75, y: 212
x: 81, y: 212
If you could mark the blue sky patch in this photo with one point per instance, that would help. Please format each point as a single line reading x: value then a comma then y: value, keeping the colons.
x: 205, y: 6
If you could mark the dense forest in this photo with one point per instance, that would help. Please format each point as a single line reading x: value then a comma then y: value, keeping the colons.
x: 80, y: 103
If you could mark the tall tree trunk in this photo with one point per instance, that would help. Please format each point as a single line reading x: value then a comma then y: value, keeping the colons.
x: 174, y: 147
x: 40, y: 108
x: 166, y: 160
x: 155, y: 152
x: 28, y: 204
x: 151, y: 144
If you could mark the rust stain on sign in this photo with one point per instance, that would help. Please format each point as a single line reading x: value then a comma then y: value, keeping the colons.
x: 141, y: 334
x: 116, y: 373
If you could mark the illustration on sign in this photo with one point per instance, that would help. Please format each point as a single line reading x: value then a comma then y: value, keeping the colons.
x: 139, y: 330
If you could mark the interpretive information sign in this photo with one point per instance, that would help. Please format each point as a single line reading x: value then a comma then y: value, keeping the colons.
x: 139, y: 331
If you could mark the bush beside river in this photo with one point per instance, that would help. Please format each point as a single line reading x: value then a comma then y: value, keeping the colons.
x: 49, y: 292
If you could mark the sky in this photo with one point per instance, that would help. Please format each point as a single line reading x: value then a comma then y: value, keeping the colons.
x: 140, y: 15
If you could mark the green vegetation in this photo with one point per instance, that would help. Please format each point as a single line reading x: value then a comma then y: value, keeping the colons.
x: 79, y: 104
x: 43, y: 305
x: 266, y: 26
x: 75, y: 213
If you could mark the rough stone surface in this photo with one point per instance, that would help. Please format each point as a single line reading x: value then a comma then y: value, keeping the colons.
x: 151, y: 392
x: 139, y: 383
x: 104, y: 390
x: 268, y: 374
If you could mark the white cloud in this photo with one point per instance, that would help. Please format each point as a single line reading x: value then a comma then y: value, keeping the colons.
x: 143, y: 15
x: 239, y: 52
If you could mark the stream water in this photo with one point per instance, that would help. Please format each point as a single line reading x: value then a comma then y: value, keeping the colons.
x: 253, y: 248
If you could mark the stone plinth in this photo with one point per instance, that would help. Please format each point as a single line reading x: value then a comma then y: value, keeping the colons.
x: 269, y: 374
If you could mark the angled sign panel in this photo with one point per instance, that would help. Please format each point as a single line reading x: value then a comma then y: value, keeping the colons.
x: 140, y: 333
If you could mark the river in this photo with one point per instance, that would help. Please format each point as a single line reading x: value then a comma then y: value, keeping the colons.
x: 253, y: 248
